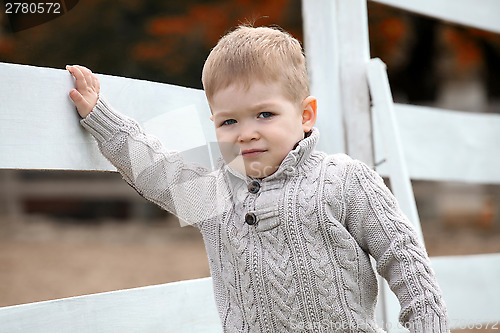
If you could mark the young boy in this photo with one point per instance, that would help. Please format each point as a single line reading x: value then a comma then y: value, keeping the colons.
x: 288, y: 230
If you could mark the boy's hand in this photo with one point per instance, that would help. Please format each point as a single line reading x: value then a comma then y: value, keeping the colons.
x: 86, y: 94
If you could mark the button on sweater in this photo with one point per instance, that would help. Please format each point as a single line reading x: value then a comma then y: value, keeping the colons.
x: 290, y: 252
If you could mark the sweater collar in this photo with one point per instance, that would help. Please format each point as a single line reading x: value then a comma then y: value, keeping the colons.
x: 297, y: 157
x: 293, y: 161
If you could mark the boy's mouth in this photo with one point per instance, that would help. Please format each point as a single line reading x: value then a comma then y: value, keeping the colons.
x: 252, y: 152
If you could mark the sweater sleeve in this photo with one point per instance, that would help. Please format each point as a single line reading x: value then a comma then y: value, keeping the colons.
x: 381, y: 229
x: 163, y: 177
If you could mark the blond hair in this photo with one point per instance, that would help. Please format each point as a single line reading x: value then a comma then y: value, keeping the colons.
x: 248, y: 54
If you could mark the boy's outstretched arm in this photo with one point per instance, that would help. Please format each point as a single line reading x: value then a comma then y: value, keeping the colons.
x: 87, y: 86
x: 159, y: 175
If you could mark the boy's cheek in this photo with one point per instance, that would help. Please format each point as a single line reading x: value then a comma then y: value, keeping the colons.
x: 229, y: 151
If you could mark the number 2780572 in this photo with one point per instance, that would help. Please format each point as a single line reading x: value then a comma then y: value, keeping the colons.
x: 33, y: 8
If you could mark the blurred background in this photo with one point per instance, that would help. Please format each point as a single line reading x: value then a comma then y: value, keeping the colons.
x: 100, y: 235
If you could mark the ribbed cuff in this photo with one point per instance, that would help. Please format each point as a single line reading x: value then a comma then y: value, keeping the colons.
x: 103, y: 121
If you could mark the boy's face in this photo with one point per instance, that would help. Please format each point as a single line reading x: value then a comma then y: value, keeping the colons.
x: 258, y: 127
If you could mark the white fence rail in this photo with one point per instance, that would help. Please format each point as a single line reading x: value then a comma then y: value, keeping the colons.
x: 427, y: 135
x: 481, y: 14
x: 186, y: 306
x: 39, y: 125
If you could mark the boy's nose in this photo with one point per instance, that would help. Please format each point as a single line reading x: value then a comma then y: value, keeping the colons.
x: 248, y: 133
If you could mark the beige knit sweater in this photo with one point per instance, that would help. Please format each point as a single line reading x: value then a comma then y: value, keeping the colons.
x: 290, y: 252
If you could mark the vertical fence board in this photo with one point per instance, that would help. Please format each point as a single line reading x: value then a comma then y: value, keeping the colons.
x: 352, y: 25
x: 322, y: 52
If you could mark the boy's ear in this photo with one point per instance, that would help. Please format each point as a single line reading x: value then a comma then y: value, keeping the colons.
x: 309, y: 113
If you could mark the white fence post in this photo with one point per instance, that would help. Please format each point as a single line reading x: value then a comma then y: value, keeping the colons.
x: 323, y: 65
x: 354, y: 55
x: 337, y: 50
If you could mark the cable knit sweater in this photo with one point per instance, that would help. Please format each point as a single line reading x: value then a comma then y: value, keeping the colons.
x: 290, y: 252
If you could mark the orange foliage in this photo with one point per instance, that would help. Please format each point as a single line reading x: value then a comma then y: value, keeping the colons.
x: 244, y: 2
x: 393, y: 29
x: 7, y: 46
x: 170, y: 25
x: 202, y: 23
x: 151, y: 51
x: 272, y: 9
x: 215, y: 19
x: 467, y: 52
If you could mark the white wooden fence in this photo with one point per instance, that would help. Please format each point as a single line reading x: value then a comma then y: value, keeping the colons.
x: 39, y: 130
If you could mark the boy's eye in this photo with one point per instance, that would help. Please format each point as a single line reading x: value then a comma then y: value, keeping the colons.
x: 266, y: 114
x: 228, y: 122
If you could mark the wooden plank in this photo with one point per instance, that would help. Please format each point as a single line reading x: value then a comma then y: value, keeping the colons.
x: 186, y: 306
x: 322, y: 54
x: 384, y: 117
x: 39, y: 127
x: 471, y: 288
x: 481, y: 14
x: 446, y: 145
x: 352, y: 29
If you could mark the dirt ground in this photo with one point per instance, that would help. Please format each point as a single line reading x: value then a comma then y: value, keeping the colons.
x: 44, y: 259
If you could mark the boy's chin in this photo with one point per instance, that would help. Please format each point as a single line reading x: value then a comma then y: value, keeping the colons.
x: 255, y: 169
x: 251, y: 169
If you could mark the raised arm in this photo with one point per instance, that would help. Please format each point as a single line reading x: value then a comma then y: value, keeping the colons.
x: 194, y: 194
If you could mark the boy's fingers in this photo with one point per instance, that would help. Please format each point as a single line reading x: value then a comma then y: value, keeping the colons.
x: 89, y: 77
x: 81, y: 104
x: 87, y: 74
x: 87, y: 89
x: 80, y: 82
x: 97, y: 85
x: 76, y: 97
x: 84, y: 79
